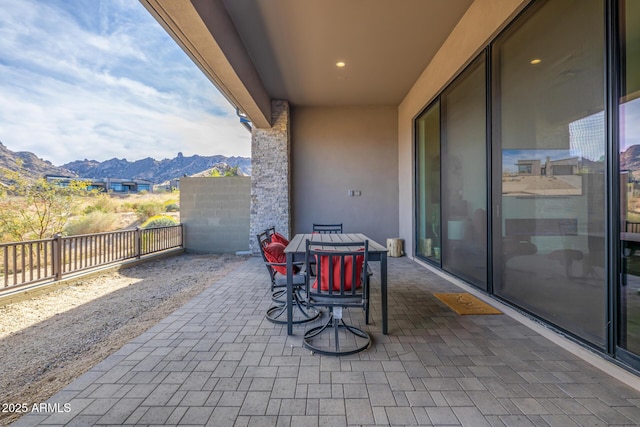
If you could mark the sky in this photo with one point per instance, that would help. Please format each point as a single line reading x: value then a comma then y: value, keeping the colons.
x: 98, y: 79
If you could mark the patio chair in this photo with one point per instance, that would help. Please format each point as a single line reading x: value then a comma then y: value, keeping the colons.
x: 327, y: 228
x: 264, y: 238
x: 275, y: 261
x: 341, y: 284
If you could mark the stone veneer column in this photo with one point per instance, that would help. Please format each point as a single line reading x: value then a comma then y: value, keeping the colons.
x: 270, y: 175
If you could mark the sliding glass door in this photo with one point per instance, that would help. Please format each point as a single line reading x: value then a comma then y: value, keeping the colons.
x: 513, y: 190
x: 548, y: 166
x: 629, y: 125
x: 464, y: 174
x: 428, y: 184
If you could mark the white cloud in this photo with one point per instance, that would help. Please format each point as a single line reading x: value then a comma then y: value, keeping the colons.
x: 105, y: 83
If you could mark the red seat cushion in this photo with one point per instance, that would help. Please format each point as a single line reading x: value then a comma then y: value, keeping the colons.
x: 336, y: 271
x: 274, y: 252
x: 279, y: 238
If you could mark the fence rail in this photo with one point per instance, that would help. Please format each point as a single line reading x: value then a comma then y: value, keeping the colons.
x: 29, y: 262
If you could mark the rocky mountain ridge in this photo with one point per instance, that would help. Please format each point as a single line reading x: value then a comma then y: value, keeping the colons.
x: 31, y: 165
x: 630, y: 161
x: 156, y: 171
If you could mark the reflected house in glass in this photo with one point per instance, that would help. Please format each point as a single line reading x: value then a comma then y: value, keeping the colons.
x: 489, y: 151
x: 559, y: 177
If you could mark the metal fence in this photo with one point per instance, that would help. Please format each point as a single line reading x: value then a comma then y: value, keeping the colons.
x: 25, y: 263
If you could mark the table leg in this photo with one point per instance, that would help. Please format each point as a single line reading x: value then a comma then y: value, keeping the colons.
x: 289, y: 293
x: 383, y: 292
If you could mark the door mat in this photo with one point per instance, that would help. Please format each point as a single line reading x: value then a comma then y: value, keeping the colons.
x: 464, y: 303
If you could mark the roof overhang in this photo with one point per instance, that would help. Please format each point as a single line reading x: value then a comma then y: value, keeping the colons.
x: 258, y: 50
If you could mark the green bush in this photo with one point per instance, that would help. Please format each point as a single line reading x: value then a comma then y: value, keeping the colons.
x: 103, y: 203
x: 159, y: 221
x: 147, y: 210
x: 93, y: 222
x: 172, y: 207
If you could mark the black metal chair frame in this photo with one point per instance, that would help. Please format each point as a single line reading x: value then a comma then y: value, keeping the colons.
x: 337, y: 299
x: 264, y: 238
x: 277, y: 312
x: 327, y: 228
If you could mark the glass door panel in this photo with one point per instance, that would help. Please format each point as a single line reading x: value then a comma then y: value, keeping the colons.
x: 428, y: 184
x: 629, y: 114
x: 549, y: 152
x: 463, y: 109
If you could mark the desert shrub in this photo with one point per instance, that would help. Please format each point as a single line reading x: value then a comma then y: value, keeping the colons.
x: 93, y: 222
x: 35, y: 209
x: 159, y: 221
x: 146, y: 210
x: 172, y: 207
x: 128, y: 207
x: 102, y: 203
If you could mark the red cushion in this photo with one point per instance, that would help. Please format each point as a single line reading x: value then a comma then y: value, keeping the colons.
x: 337, y: 280
x: 274, y: 252
x: 279, y: 238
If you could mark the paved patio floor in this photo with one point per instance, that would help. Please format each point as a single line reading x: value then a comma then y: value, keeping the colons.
x: 218, y: 362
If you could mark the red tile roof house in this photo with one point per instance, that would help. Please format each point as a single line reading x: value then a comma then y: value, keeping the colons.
x: 406, y: 119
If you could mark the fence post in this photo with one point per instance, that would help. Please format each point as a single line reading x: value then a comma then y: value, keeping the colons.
x: 138, y: 242
x: 57, y: 256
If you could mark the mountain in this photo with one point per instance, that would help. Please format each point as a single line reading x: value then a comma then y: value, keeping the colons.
x: 32, y: 166
x: 630, y: 159
x: 156, y: 171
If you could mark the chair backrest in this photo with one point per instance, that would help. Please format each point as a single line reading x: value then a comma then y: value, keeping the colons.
x: 341, y: 272
x: 327, y: 228
x: 273, y: 257
x: 270, y: 232
x: 264, y: 238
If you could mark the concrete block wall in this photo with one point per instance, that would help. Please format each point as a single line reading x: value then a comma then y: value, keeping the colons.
x: 215, y: 214
x: 271, y: 175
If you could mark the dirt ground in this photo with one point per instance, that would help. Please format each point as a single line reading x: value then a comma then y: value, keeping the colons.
x: 48, y: 341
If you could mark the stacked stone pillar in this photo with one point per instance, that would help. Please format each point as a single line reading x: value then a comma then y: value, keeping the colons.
x: 271, y: 175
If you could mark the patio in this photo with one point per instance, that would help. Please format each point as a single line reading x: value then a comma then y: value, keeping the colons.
x: 217, y: 361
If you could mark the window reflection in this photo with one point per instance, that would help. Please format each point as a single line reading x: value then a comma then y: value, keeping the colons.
x: 629, y: 113
x: 630, y: 223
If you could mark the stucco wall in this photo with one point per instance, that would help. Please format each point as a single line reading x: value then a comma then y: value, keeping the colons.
x: 335, y: 150
x: 215, y: 214
x: 481, y: 23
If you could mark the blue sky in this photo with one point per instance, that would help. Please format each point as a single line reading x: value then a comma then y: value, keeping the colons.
x: 98, y: 79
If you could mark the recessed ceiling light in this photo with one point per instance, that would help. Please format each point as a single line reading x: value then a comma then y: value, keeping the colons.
x: 536, y: 61
x: 340, y: 64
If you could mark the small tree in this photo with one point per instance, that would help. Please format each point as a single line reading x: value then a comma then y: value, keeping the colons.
x: 35, y: 209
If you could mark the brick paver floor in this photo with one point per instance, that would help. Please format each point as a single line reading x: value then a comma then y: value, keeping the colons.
x: 218, y: 362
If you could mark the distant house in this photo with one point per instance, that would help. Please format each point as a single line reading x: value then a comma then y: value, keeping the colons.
x: 569, y: 166
x: 114, y: 185
x: 529, y: 167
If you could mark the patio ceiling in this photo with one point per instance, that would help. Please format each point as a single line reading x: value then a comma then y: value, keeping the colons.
x: 385, y: 45
x: 288, y: 49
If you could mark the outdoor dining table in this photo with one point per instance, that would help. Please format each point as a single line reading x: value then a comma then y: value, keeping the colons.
x: 295, y: 252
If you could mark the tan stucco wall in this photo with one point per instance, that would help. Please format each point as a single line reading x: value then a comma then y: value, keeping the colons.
x: 335, y: 150
x: 482, y: 22
x: 215, y: 214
